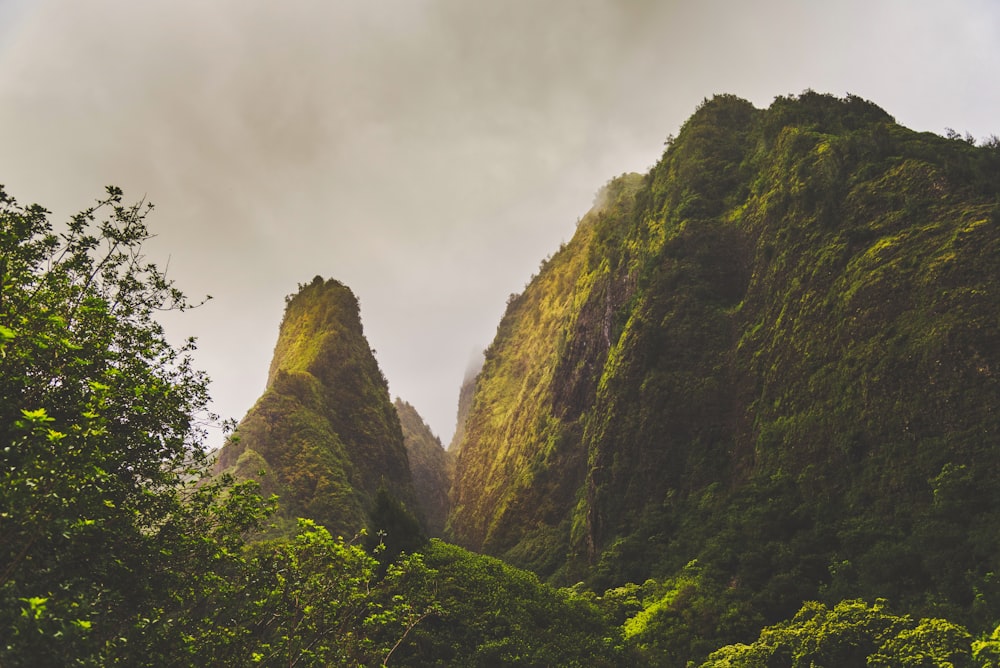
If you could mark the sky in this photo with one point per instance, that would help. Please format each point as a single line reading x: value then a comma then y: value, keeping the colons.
x: 427, y: 153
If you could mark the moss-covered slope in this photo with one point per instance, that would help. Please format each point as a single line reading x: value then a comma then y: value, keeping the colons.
x: 777, y: 353
x: 325, y: 434
x: 430, y: 465
x: 519, y: 466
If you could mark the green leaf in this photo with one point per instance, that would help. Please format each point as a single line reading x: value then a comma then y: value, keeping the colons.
x: 39, y: 415
x: 36, y: 607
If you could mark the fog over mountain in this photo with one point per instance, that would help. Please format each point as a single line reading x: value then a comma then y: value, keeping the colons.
x: 428, y: 154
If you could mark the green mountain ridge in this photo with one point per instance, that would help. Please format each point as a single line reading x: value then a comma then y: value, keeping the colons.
x: 749, y: 414
x: 762, y: 374
x: 774, y: 356
x: 430, y: 465
x: 324, y: 436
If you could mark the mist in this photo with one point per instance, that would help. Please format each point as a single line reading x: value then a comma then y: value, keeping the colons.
x: 427, y: 153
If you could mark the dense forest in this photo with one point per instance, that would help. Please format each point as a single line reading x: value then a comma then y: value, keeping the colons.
x: 761, y: 374
x: 747, y: 416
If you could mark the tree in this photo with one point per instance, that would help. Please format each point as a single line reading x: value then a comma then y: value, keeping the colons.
x: 318, y: 601
x: 854, y: 633
x: 110, y: 536
x: 488, y: 613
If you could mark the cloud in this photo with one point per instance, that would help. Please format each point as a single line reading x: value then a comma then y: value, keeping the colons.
x: 428, y: 153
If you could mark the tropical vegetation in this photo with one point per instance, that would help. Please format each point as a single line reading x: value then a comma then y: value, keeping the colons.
x: 747, y: 416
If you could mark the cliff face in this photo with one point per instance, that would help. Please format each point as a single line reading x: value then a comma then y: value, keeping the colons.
x: 775, y: 353
x: 465, y: 394
x: 325, y: 434
x: 430, y: 465
x: 520, y: 465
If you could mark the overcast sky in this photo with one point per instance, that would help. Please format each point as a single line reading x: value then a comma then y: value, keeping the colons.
x: 427, y: 153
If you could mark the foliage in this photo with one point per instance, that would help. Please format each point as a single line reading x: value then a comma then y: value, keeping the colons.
x: 684, y: 616
x: 109, y: 541
x: 492, y: 614
x: 852, y: 633
x: 318, y: 601
x: 774, y: 355
x: 314, y: 600
x: 986, y: 651
x: 117, y: 548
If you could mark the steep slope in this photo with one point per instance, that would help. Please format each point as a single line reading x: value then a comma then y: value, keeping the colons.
x: 430, y: 466
x: 324, y: 436
x: 519, y: 467
x: 464, y: 404
x: 776, y: 354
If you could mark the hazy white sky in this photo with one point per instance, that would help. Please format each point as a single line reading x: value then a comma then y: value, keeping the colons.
x: 427, y: 153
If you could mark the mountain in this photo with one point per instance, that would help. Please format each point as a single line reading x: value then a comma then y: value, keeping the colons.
x: 430, y: 466
x: 769, y: 369
x: 465, y: 394
x: 324, y: 436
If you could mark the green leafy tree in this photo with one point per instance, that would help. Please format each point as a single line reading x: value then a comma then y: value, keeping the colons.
x: 853, y: 633
x: 492, y: 614
x: 396, y: 529
x: 934, y: 642
x: 315, y: 600
x: 986, y: 651
x: 109, y: 540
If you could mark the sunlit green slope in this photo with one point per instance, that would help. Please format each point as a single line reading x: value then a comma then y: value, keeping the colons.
x: 777, y: 353
x: 325, y: 434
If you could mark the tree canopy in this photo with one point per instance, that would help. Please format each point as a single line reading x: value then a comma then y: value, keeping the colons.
x: 103, y: 503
